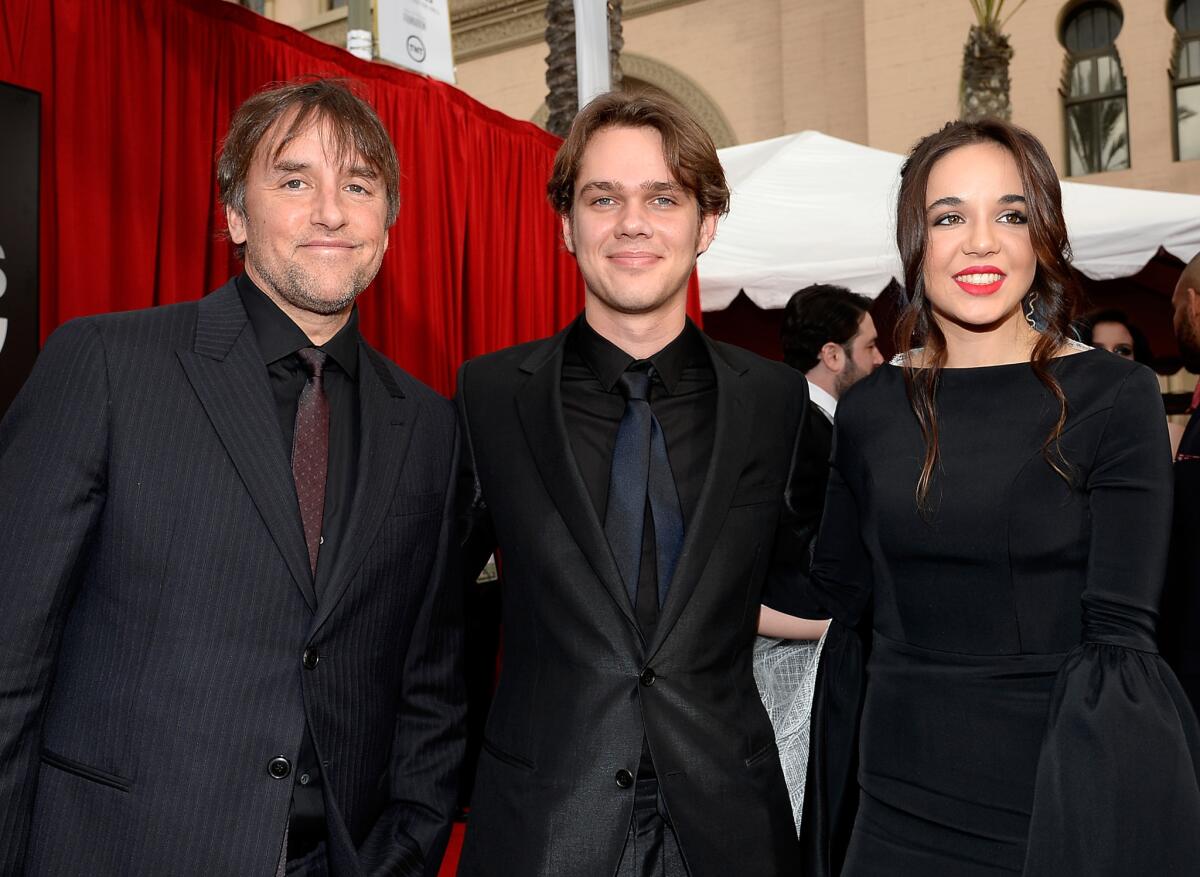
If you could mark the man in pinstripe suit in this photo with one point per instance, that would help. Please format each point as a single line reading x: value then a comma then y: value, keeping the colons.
x: 229, y: 630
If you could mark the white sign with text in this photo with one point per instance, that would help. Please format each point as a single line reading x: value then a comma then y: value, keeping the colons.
x: 416, y: 34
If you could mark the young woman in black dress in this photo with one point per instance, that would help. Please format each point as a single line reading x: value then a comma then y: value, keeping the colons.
x: 995, y: 536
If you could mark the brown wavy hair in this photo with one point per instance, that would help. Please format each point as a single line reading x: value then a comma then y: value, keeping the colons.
x: 688, y: 150
x: 1054, y: 293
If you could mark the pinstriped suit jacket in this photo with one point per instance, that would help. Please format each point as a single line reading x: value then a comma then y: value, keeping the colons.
x: 155, y: 601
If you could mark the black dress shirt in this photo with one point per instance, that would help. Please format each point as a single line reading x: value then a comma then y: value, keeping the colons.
x: 683, y: 399
x: 279, y: 339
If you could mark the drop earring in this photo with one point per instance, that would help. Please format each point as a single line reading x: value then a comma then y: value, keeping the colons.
x: 1030, y: 313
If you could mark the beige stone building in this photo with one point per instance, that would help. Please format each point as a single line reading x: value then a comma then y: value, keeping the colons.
x: 1125, y: 97
x: 879, y: 72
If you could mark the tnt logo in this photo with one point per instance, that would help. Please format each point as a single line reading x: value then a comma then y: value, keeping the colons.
x: 415, y: 47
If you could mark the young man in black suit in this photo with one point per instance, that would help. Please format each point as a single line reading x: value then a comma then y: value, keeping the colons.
x: 630, y: 474
x: 229, y: 621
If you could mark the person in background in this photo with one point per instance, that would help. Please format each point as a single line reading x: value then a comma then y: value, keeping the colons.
x: 1109, y: 329
x: 1181, y: 600
x: 827, y: 334
x: 230, y: 628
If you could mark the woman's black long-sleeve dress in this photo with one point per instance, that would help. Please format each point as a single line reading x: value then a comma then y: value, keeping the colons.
x: 1016, y: 718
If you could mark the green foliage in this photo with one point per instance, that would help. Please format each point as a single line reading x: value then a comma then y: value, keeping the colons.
x: 989, y: 14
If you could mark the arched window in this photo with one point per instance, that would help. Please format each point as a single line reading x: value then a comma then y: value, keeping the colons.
x: 1185, y: 74
x: 1093, y: 90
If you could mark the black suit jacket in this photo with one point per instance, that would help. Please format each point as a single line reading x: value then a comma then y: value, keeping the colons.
x: 817, y: 446
x: 160, y: 638
x: 1179, y: 627
x: 579, y: 687
x: 820, y: 434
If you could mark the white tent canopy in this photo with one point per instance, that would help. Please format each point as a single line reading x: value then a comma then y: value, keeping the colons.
x: 809, y: 208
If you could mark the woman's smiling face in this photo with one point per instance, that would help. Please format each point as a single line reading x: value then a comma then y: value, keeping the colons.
x: 979, y: 259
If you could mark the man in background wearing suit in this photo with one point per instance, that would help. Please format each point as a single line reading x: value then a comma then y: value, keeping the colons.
x: 630, y: 473
x: 1179, y: 628
x: 229, y: 620
x: 828, y: 334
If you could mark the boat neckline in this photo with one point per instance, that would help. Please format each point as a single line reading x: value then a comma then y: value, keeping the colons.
x: 1000, y: 365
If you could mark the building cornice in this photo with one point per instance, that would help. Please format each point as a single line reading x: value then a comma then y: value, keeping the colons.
x: 482, y: 27
x: 487, y: 27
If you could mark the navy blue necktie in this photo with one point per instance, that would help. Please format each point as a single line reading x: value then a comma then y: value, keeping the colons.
x: 641, y: 471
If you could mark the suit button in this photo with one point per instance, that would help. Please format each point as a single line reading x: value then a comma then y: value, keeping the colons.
x: 279, y: 767
x: 310, y: 659
x: 647, y: 678
x: 624, y: 779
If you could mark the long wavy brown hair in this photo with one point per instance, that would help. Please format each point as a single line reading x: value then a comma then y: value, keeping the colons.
x: 1054, y: 293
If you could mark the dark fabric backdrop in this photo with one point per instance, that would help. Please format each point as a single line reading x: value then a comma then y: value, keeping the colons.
x: 136, y: 97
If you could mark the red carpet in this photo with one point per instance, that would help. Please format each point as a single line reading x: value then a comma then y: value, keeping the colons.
x: 453, y: 850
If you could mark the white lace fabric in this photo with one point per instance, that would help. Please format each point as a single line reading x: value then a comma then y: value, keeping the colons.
x: 786, y: 674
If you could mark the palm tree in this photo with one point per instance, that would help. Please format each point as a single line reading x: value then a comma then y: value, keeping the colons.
x: 616, y: 42
x: 563, y: 98
x: 1098, y: 136
x: 984, y: 90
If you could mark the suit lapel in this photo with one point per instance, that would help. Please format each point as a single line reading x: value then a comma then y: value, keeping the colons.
x: 735, y: 419
x: 539, y: 405
x: 226, y: 371
x: 1189, y: 443
x: 386, y: 421
x: 822, y: 431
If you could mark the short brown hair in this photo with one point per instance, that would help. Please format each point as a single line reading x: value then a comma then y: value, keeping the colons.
x: 687, y: 148
x: 354, y: 127
x: 817, y: 315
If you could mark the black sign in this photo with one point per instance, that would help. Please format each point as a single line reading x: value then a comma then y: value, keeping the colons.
x: 20, y: 112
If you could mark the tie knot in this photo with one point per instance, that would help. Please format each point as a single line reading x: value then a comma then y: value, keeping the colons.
x: 313, y: 359
x: 635, y: 383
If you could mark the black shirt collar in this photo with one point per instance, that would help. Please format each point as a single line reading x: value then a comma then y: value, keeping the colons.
x: 278, y: 336
x: 607, y: 361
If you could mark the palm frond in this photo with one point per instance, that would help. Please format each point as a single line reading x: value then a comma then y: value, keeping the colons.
x: 990, y: 13
x: 1015, y: 9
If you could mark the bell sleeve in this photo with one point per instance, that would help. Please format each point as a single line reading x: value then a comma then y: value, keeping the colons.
x: 1118, y: 779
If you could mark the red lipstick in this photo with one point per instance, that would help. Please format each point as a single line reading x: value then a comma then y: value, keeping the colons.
x: 980, y: 279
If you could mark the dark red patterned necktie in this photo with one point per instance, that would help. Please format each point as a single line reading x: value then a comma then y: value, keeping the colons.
x: 310, y: 450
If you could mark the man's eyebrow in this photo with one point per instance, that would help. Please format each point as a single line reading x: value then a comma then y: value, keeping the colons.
x: 289, y: 166
x: 600, y: 186
x: 646, y: 186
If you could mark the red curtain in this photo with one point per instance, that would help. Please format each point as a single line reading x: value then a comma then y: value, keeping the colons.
x: 136, y: 95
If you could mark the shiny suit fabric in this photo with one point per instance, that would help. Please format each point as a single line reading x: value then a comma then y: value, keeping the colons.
x: 161, y: 635
x: 579, y: 687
